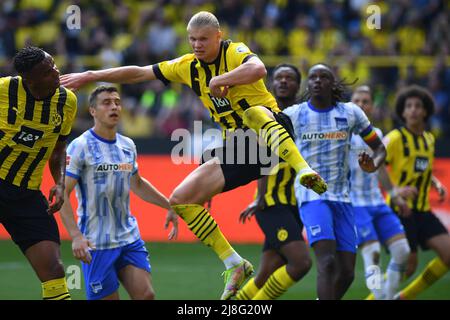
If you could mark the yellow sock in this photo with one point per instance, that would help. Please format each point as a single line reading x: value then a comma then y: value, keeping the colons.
x: 248, y: 291
x: 275, y: 286
x: 202, y: 224
x: 55, y: 289
x: 276, y: 137
x: 433, y: 272
x: 370, y: 297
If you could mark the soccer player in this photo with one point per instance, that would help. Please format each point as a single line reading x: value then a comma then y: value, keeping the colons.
x: 285, y: 259
x: 102, y: 165
x: 375, y: 221
x: 228, y: 79
x: 323, y: 127
x: 410, y: 154
x: 36, y: 118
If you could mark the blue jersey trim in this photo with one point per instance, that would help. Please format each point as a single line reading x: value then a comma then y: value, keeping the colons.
x: 319, y: 110
x: 102, y: 139
x: 72, y: 175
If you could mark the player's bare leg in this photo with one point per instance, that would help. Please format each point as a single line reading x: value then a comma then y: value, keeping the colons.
x: 345, y: 272
x: 271, y: 260
x: 187, y: 201
x: 137, y: 282
x: 298, y: 263
x: 45, y: 259
x: 325, y: 251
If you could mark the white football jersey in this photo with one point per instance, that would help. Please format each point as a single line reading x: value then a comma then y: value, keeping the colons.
x: 323, y: 138
x: 103, y: 169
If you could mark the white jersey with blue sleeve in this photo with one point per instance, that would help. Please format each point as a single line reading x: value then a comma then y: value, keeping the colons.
x: 103, y: 169
x: 323, y: 138
x: 364, y: 187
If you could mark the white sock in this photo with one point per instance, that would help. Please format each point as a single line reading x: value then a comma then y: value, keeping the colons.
x: 233, y: 260
x: 374, y: 278
x: 399, y: 258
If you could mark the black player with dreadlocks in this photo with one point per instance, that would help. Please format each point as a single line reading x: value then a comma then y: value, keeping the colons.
x: 323, y: 126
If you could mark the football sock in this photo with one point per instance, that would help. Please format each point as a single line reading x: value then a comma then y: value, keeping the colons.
x: 248, y: 291
x: 276, y: 137
x: 371, y: 258
x: 55, y: 289
x: 399, y: 258
x: 275, y: 286
x: 202, y: 224
x: 433, y: 272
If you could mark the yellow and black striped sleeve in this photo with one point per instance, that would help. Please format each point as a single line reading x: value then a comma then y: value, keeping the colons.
x: 237, y: 54
x: 176, y: 70
x: 69, y: 112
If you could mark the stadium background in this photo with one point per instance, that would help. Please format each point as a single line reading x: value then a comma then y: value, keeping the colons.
x: 412, y: 46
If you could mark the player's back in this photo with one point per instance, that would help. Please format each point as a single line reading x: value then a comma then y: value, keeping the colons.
x: 103, y: 169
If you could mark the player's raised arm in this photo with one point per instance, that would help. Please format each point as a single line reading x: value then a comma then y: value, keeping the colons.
x: 250, y: 71
x: 127, y: 74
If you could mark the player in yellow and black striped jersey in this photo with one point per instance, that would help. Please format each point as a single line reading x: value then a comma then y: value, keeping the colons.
x: 285, y: 259
x: 410, y: 155
x: 228, y: 78
x: 36, y: 116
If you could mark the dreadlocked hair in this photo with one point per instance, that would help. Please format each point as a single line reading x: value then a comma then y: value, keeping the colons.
x: 27, y: 58
x: 340, y: 91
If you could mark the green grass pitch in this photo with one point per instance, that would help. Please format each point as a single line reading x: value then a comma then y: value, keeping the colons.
x: 183, y: 271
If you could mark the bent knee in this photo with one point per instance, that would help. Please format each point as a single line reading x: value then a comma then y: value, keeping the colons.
x: 148, y: 294
x: 254, y: 115
x: 327, y: 264
x: 300, y: 268
x: 179, y: 196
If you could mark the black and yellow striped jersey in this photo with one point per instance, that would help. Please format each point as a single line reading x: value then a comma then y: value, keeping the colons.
x: 411, y: 161
x: 29, y: 130
x: 196, y: 74
x: 280, y: 186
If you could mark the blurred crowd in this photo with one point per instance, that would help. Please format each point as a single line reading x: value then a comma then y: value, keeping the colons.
x: 410, y: 43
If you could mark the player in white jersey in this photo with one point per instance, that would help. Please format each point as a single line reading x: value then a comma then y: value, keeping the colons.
x: 102, y: 165
x: 323, y: 126
x: 375, y: 221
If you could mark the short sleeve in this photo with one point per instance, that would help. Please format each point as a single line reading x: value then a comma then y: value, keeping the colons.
x: 75, y: 159
x: 70, y: 112
x: 392, y: 144
x: 238, y: 53
x: 172, y: 70
x: 135, y: 163
x: 361, y: 120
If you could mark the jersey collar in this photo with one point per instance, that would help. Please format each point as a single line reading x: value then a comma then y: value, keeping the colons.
x: 320, y: 110
x: 100, y: 138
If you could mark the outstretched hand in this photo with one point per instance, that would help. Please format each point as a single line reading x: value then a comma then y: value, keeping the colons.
x: 74, y: 81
